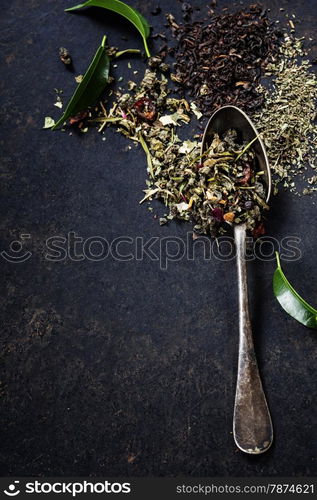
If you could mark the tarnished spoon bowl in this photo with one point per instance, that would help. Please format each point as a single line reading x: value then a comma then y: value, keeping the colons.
x: 232, y: 117
x: 252, y: 425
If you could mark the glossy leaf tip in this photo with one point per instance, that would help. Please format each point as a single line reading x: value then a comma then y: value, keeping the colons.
x: 290, y: 300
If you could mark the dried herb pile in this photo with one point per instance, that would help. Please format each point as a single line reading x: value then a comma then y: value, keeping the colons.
x: 221, y: 62
x: 217, y: 189
x: 287, y: 119
x: 148, y: 115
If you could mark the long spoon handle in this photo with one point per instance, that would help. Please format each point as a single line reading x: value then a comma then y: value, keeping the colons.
x: 252, y: 425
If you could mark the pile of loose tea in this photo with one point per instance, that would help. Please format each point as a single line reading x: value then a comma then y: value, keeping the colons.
x: 215, y: 190
x: 216, y: 64
x: 221, y: 63
x: 221, y: 187
x: 287, y: 120
x: 149, y: 116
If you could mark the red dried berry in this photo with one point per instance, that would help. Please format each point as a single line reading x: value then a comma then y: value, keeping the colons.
x: 145, y: 109
x: 217, y: 214
x: 78, y: 118
x: 258, y: 231
x: 247, y: 172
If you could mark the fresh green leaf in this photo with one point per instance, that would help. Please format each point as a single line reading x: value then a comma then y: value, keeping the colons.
x: 124, y: 10
x: 91, y: 86
x: 291, y: 301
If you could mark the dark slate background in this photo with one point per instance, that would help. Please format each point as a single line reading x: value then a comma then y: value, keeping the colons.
x: 120, y: 368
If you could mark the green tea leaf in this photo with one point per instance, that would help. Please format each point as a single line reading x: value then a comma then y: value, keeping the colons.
x: 291, y: 301
x: 124, y: 10
x: 127, y: 51
x: 148, y: 154
x: 247, y: 147
x: 89, y: 89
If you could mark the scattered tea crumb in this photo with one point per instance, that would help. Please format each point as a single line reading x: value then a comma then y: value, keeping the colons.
x: 58, y: 103
x: 65, y: 56
x: 156, y: 10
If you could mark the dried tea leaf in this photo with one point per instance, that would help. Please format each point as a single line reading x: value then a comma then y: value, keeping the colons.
x: 49, y: 122
x: 188, y: 146
x: 195, y: 110
x: 79, y: 78
x: 174, y: 118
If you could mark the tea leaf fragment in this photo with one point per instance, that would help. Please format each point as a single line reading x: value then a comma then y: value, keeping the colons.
x: 127, y: 51
x: 49, y: 122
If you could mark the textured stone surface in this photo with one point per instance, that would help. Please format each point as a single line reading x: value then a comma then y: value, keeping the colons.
x: 120, y: 368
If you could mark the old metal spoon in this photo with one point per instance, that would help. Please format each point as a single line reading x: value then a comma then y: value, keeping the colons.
x: 252, y: 425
